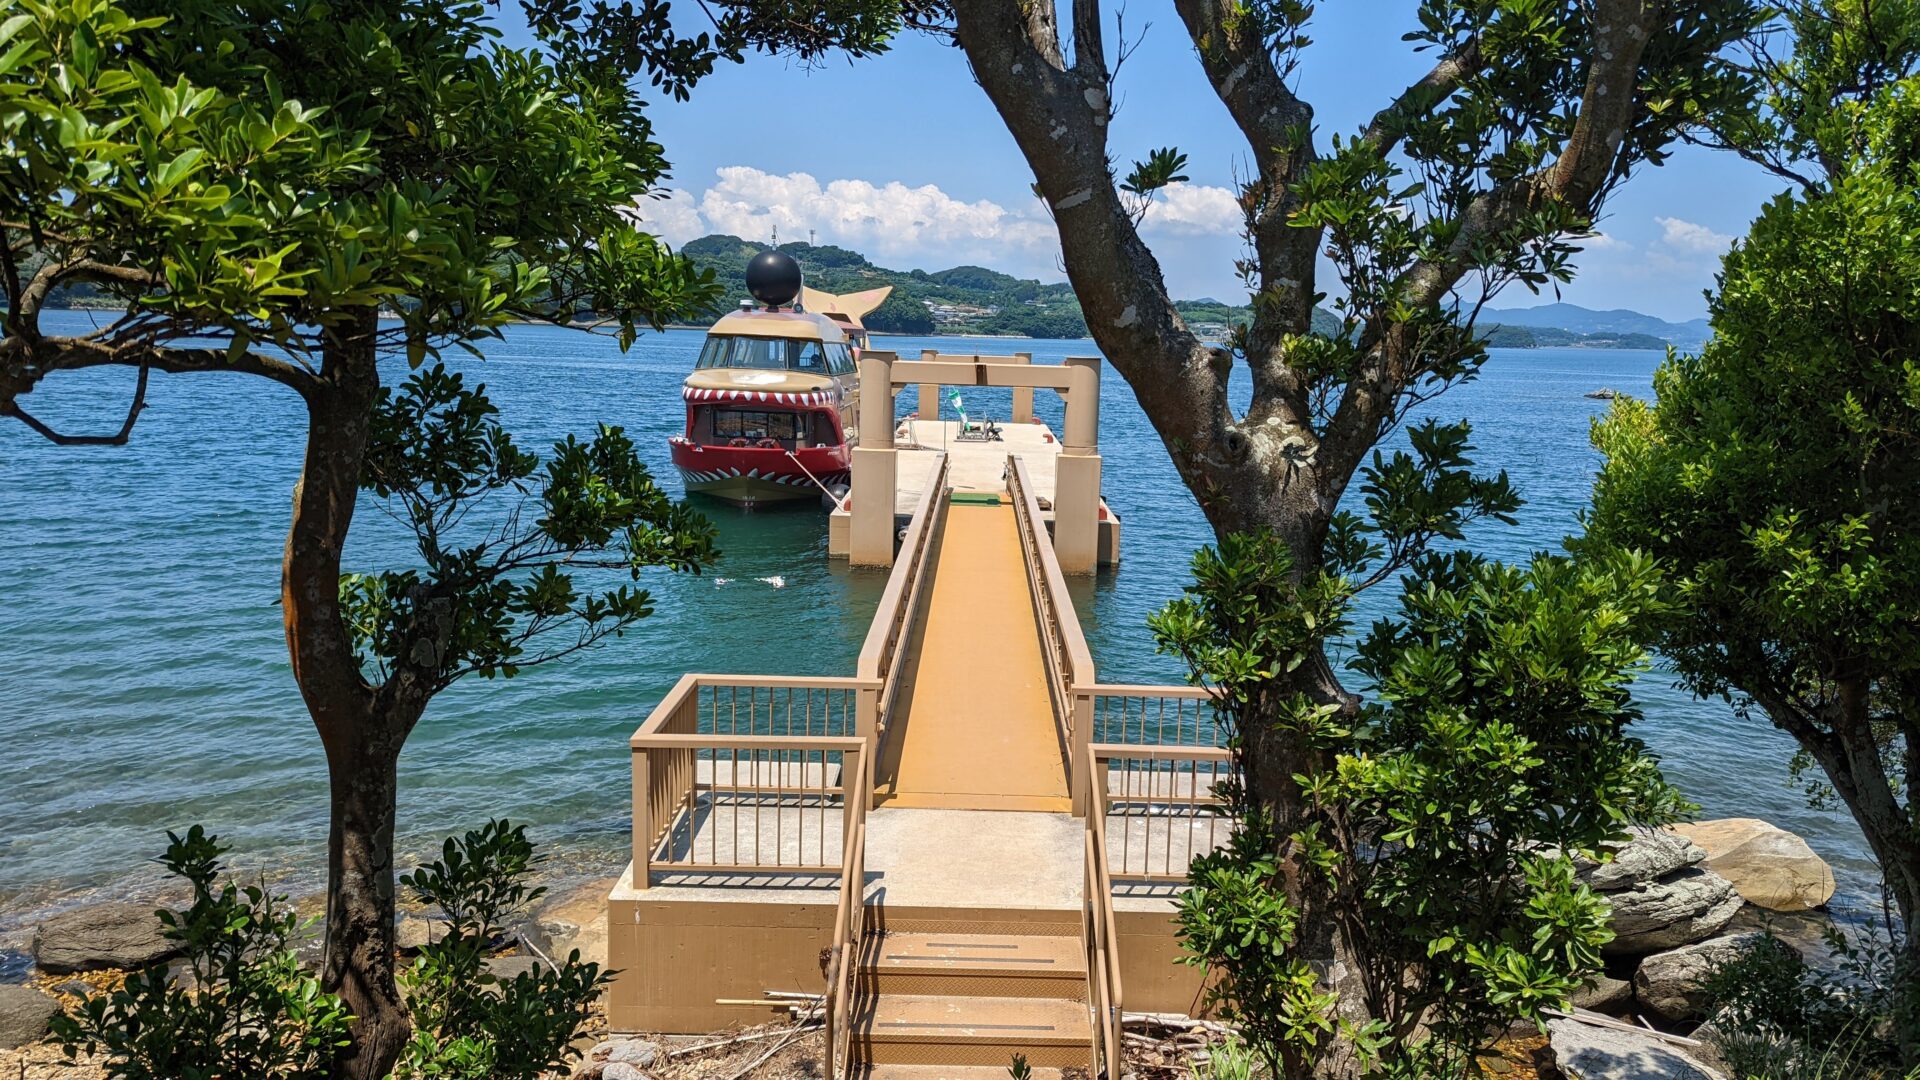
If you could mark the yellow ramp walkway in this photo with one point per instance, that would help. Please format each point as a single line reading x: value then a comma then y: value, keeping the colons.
x: 974, y: 728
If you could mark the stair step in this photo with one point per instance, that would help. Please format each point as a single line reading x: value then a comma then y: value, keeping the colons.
x: 943, y: 954
x: 949, y: 1072
x: 987, y: 1021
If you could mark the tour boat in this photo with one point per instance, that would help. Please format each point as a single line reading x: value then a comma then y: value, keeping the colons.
x: 771, y: 402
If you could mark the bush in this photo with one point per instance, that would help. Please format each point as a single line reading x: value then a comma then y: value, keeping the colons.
x: 470, y: 1024
x: 1779, y: 1018
x: 248, y: 1009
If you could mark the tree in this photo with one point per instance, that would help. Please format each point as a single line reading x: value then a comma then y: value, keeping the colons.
x: 1484, y: 172
x: 1494, y: 748
x: 1778, y: 475
x: 258, y: 182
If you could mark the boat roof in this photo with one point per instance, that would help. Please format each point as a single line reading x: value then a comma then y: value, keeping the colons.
x: 800, y: 325
x: 757, y: 380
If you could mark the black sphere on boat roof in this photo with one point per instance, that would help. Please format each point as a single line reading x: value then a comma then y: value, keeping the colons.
x: 773, y: 277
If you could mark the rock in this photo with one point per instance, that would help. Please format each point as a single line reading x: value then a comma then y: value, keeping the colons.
x: 24, y: 1013
x: 1769, y: 866
x: 412, y: 933
x: 1669, y: 984
x: 116, y: 935
x: 531, y: 936
x: 1591, y: 1052
x: 1604, y: 995
x: 506, y: 968
x: 620, y: 1070
x: 1679, y: 909
x: 636, y: 1052
x: 1651, y: 855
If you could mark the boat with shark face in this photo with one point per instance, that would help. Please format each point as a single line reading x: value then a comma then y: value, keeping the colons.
x: 771, y: 402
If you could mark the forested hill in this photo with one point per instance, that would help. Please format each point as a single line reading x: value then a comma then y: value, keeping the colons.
x: 963, y: 300
x: 976, y: 300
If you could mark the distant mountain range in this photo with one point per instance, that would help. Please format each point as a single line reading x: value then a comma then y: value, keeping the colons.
x: 1575, y: 319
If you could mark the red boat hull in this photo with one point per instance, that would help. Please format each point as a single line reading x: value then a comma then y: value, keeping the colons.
x: 752, y: 474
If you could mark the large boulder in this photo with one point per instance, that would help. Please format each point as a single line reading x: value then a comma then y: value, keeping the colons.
x: 1681, y: 908
x: 1651, y: 855
x: 1671, y: 985
x: 24, y: 1013
x: 113, y: 935
x: 1769, y: 866
x: 1590, y: 1052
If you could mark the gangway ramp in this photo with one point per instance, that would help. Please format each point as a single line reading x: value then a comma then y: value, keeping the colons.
x: 974, y: 727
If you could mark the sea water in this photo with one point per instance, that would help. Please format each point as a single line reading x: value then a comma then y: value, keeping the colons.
x: 144, y: 683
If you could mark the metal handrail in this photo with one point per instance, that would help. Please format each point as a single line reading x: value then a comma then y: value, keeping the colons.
x: 1169, y: 793
x: 760, y: 749
x: 1069, y: 663
x: 849, y: 932
x: 900, y: 603
x: 1104, y: 988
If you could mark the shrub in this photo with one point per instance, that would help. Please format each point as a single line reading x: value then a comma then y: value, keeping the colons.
x: 248, y: 1008
x: 1779, y: 1018
x: 470, y: 1024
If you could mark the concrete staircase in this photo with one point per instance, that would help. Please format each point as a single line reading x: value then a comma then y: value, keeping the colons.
x: 930, y: 1005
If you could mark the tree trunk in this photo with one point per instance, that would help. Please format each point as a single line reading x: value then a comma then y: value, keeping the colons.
x: 362, y: 730
x: 360, y: 910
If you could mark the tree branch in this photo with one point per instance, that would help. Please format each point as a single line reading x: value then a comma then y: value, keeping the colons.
x: 1579, y: 177
x: 1390, y: 124
x: 119, y: 438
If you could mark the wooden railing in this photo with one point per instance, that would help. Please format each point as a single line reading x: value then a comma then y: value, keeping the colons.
x: 849, y: 931
x: 1161, y: 806
x: 1068, y: 662
x: 901, y: 603
x: 745, y: 773
x: 1101, y: 936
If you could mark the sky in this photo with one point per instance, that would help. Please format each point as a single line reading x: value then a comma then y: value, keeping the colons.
x: 903, y: 158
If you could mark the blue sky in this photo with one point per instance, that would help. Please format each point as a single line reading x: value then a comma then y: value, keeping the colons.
x: 903, y: 158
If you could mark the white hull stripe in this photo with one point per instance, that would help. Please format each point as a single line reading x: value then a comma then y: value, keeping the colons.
x: 714, y: 476
x: 809, y: 397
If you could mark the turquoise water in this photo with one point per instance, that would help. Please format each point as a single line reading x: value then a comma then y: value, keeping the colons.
x: 144, y: 682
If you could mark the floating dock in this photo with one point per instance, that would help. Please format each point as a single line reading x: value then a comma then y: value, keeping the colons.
x: 970, y: 847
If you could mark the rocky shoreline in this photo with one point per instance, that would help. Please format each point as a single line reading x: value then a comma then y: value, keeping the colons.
x: 1684, y: 900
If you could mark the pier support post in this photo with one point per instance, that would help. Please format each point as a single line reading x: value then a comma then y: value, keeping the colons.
x: 870, y: 536
x: 929, y: 395
x: 1023, y: 395
x: 1076, y: 484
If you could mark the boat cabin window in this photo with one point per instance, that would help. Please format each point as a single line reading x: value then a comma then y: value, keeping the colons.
x: 744, y: 424
x: 777, y: 354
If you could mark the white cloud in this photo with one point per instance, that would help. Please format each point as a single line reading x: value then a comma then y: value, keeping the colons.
x: 1600, y: 242
x: 1195, y: 210
x: 674, y: 218
x: 913, y: 225
x: 1195, y: 227
x: 1688, y: 237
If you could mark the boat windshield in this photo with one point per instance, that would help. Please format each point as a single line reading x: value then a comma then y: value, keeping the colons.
x: 778, y: 354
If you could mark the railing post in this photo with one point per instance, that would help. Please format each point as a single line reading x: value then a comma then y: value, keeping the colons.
x: 1082, y: 777
x: 857, y: 793
x: 642, y: 822
x: 866, y: 727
